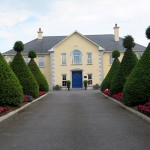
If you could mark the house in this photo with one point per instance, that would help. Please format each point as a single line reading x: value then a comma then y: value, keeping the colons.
x: 75, y: 57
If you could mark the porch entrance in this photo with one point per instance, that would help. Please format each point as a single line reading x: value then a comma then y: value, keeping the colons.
x: 77, y: 79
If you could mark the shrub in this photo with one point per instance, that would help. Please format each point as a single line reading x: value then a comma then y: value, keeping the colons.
x: 110, y: 75
x: 11, y: 92
x: 96, y: 87
x: 126, y: 66
x: 57, y: 88
x: 85, y: 83
x: 26, y: 78
x: 18, y: 46
x: 136, y: 90
x: 68, y: 84
x: 32, y: 54
x: 41, y: 80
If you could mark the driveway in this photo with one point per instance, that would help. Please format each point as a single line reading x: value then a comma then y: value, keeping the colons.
x: 74, y: 120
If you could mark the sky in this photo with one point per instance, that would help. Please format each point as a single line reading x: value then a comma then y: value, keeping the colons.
x: 21, y: 19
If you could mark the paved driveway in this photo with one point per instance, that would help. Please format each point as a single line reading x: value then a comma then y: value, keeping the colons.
x: 74, y: 120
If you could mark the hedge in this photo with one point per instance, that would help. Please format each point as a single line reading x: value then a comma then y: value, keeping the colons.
x: 41, y: 80
x: 11, y: 92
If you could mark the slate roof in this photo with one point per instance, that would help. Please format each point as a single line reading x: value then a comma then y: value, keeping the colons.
x: 105, y: 41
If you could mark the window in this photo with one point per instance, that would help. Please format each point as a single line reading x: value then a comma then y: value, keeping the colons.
x: 76, y: 57
x: 89, y: 58
x: 41, y: 61
x: 110, y: 58
x: 89, y: 79
x: 11, y: 58
x: 139, y: 54
x: 64, y: 83
x: 63, y: 58
x: 27, y: 59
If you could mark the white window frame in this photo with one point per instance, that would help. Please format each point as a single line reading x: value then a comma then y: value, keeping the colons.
x: 27, y: 59
x: 139, y: 54
x: 41, y: 61
x: 75, y: 59
x: 11, y: 58
x: 64, y: 80
x: 111, y: 59
x: 89, y: 59
x: 90, y: 80
x: 63, y: 58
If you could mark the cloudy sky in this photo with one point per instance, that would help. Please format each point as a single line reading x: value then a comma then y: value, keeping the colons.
x: 20, y: 19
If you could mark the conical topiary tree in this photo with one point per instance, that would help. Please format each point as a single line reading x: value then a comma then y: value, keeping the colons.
x: 137, y: 88
x: 41, y: 80
x: 108, y: 79
x: 127, y: 64
x: 25, y: 76
x: 11, y: 92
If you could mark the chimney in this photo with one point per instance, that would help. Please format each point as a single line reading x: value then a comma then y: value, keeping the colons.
x: 116, y: 33
x: 40, y: 36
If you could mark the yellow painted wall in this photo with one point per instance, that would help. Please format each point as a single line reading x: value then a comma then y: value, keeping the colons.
x: 76, y: 42
x: 45, y: 70
x: 106, y: 61
x: 107, y: 64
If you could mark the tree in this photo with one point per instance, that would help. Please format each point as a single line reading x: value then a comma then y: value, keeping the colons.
x: 11, y: 92
x: 136, y: 90
x: 110, y: 75
x: 41, y: 80
x: 126, y: 66
x: 26, y: 78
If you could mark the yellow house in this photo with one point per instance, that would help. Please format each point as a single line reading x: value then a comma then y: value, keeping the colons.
x: 75, y: 57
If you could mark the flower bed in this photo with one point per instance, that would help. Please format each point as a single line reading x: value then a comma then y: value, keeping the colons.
x: 106, y: 91
x: 3, y: 109
x: 41, y: 93
x: 145, y: 109
x: 27, y: 98
x: 118, y: 96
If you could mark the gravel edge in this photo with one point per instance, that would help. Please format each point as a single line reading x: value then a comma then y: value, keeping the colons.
x: 19, y: 109
x: 129, y: 109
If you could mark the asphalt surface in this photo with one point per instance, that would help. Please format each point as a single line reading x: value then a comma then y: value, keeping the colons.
x: 74, y: 120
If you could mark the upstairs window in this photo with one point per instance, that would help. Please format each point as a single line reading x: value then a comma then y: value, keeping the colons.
x: 111, y: 59
x: 63, y: 58
x: 41, y: 61
x: 89, y: 58
x: 76, y: 57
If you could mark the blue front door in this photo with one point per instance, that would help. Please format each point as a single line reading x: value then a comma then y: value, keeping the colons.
x: 76, y: 79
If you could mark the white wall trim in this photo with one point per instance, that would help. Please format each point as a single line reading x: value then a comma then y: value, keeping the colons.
x: 52, y: 70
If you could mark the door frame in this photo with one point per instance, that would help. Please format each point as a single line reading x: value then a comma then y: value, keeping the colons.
x: 71, y: 76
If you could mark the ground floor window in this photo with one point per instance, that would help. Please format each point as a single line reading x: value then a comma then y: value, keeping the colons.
x: 27, y: 59
x: 64, y: 80
x: 89, y: 79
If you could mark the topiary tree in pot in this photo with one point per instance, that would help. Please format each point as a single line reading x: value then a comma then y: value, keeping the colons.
x: 41, y: 80
x: 11, y: 92
x: 137, y: 88
x: 25, y: 76
x: 68, y: 84
x: 126, y: 66
x: 85, y: 84
x: 108, y: 79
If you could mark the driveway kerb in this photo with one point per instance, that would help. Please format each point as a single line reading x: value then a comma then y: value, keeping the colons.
x: 129, y: 109
x: 19, y: 109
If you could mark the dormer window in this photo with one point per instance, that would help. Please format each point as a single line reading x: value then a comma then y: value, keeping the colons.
x: 76, y: 57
